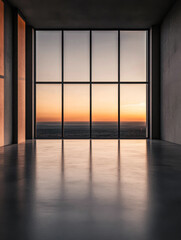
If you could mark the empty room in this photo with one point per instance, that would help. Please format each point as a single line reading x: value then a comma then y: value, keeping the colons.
x: 90, y: 119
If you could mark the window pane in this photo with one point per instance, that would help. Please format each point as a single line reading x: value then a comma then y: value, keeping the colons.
x: 76, y: 111
x: 104, y: 56
x: 133, y: 111
x: 76, y: 56
x: 48, y: 56
x: 133, y: 56
x: 48, y: 111
x: 104, y: 111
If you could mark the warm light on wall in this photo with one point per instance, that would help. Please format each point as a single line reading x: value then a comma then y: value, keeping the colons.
x: 21, y: 79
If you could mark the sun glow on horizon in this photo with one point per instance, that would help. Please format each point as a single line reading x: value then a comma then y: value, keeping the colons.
x: 104, y: 103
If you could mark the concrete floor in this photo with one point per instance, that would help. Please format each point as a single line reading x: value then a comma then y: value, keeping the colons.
x: 90, y: 190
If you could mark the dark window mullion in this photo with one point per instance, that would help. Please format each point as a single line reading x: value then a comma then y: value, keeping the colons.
x: 90, y: 84
x: 118, y: 84
x: 148, y: 86
x: 35, y: 135
x: 62, y: 84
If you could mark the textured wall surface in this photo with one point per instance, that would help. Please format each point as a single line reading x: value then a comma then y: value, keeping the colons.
x: 171, y: 75
x: 155, y: 82
x: 8, y: 84
x: 1, y: 73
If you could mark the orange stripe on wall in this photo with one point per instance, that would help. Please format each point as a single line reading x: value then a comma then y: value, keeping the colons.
x: 1, y: 38
x: 21, y: 79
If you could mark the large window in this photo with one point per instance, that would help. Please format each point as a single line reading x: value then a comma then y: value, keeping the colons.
x: 91, y: 84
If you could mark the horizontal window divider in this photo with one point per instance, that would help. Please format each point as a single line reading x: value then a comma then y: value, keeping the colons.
x: 64, y: 138
x: 91, y: 82
x: 76, y: 82
x: 134, y: 82
x: 119, y: 82
x: 48, y: 82
x: 1, y: 76
x: 104, y: 82
x: 92, y: 29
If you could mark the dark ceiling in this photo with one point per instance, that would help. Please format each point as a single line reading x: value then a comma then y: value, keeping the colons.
x: 93, y: 13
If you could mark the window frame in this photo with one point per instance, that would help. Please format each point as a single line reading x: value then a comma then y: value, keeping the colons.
x: 90, y: 82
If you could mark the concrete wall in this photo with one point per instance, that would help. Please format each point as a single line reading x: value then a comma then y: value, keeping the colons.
x: 155, y: 82
x: 8, y: 61
x: 171, y: 75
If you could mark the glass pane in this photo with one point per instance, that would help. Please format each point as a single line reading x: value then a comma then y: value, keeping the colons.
x: 104, y: 56
x: 48, y: 111
x: 76, y: 111
x: 133, y: 111
x: 133, y: 56
x: 76, y: 56
x: 48, y: 56
x: 104, y: 111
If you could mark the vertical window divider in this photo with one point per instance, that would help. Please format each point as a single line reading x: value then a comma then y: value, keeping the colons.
x: 62, y: 84
x: 90, y: 84
x: 35, y: 134
x: 148, y: 84
x: 118, y: 84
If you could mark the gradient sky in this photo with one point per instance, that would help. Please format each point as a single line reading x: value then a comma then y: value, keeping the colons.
x: 104, y: 56
x: 48, y: 56
x: 104, y: 102
x: 76, y: 56
x: 104, y: 68
x: 76, y: 103
x: 48, y: 103
x: 133, y: 56
x: 133, y: 102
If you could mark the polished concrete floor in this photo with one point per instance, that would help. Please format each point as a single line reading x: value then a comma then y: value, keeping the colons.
x: 90, y: 190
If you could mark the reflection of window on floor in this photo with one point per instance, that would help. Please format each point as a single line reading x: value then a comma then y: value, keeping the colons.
x: 91, y: 84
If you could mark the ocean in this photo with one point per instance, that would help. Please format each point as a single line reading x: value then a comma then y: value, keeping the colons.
x: 100, y: 130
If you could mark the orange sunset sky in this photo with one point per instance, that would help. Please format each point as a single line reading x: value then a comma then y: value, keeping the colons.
x: 104, y: 103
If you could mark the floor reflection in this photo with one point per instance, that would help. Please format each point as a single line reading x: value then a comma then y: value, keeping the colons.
x: 134, y: 184
x: 93, y: 181
x: 90, y: 189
